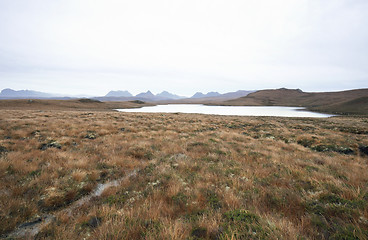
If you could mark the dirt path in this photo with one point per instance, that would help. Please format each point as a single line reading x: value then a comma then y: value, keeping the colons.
x: 30, y: 229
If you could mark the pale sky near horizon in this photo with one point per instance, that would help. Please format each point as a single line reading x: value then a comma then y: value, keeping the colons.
x: 183, y: 46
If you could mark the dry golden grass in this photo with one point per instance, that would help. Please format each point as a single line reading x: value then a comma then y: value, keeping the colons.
x: 344, y: 102
x: 209, y: 177
x: 67, y: 105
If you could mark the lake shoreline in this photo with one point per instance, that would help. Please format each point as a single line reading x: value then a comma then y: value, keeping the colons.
x: 272, y: 111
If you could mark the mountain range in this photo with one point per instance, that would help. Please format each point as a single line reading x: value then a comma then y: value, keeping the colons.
x: 10, y: 93
x: 119, y: 93
x: 201, y: 95
x: 341, y: 102
x: 144, y: 96
x: 122, y: 95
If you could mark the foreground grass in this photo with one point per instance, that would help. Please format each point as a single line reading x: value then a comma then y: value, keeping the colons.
x: 209, y: 177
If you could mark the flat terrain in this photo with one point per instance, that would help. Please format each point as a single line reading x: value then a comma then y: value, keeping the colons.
x: 67, y: 105
x: 197, y: 176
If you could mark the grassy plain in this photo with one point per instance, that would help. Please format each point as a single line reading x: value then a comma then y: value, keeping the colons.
x: 199, y: 176
x: 83, y: 104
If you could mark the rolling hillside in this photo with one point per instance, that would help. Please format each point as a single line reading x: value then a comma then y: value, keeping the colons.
x: 346, y: 102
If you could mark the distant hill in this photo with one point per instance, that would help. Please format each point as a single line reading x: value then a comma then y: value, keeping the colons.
x: 198, y: 95
x: 167, y: 95
x: 213, y: 94
x: 216, y: 95
x: 123, y: 95
x: 21, y: 94
x: 209, y: 94
x: 118, y: 93
x: 342, y: 102
x: 350, y: 102
x: 144, y: 96
x: 148, y: 95
x: 233, y: 95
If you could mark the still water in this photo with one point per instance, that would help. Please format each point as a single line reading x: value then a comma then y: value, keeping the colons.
x: 229, y: 110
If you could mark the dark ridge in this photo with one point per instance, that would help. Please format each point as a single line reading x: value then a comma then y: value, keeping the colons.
x: 137, y: 101
x: 88, y: 100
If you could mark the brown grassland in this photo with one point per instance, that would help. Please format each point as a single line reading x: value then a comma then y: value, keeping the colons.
x: 199, y: 176
x: 353, y: 102
x: 75, y: 104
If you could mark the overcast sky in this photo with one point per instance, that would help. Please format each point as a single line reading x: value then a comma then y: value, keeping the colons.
x: 183, y: 46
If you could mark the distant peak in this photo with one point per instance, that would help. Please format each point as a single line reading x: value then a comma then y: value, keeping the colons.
x: 118, y: 93
x: 168, y: 95
x: 212, y: 94
x: 145, y: 94
x: 198, y: 95
x: 10, y: 93
x: 209, y: 94
x: 7, y: 90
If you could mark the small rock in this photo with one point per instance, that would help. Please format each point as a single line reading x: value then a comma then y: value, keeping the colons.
x: 50, y: 144
x: 36, y: 133
x: 363, y: 150
x: 3, y: 149
x: 35, y: 221
x: 363, y: 220
x: 345, y: 150
x: 199, y: 232
x: 43, y: 146
x: 55, y: 144
x: 94, y: 222
x: 91, y: 135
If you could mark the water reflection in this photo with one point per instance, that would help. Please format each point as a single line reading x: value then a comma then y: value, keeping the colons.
x: 230, y: 110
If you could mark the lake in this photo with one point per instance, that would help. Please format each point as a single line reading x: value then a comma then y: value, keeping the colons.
x: 229, y: 110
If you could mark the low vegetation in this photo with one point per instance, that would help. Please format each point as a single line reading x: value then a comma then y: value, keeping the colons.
x: 83, y: 104
x: 198, y: 176
x: 350, y: 102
